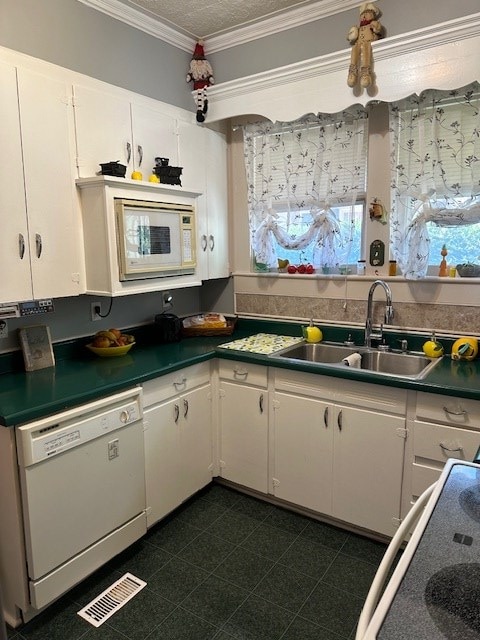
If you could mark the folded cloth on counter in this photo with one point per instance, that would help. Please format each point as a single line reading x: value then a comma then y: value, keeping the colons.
x: 265, y: 343
x: 353, y: 360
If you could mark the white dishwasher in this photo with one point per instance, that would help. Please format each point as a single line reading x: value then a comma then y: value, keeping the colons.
x: 82, y: 481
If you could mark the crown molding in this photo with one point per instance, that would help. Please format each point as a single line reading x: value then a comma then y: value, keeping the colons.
x: 288, y: 19
x: 143, y: 22
x: 442, y: 56
x: 454, y: 31
x: 295, y: 17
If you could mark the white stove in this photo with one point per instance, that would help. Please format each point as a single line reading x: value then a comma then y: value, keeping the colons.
x: 434, y: 592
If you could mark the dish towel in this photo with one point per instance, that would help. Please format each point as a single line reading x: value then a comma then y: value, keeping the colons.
x: 353, y: 360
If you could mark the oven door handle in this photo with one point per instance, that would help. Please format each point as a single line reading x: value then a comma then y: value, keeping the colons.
x: 383, y: 570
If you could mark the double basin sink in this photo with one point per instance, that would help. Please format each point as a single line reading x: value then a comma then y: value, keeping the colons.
x: 412, y: 366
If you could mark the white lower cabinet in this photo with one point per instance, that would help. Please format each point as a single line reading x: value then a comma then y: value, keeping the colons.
x: 443, y: 427
x: 367, y: 468
x: 243, y: 417
x: 178, y: 438
x: 342, y: 460
x: 303, y: 451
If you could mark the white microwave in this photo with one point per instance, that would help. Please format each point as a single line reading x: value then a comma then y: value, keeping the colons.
x: 154, y: 239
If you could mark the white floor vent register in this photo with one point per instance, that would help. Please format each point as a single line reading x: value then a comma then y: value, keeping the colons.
x: 112, y: 599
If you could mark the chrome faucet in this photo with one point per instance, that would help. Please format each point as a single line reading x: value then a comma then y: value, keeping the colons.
x: 370, y: 334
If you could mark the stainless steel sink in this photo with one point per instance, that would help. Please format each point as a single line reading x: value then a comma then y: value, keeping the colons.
x: 414, y: 366
x: 405, y: 365
x: 320, y: 352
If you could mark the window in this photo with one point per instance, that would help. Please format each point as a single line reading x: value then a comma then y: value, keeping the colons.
x: 306, y: 189
x: 350, y: 222
x: 435, y: 179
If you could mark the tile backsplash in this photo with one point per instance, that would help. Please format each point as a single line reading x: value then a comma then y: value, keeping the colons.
x: 454, y: 319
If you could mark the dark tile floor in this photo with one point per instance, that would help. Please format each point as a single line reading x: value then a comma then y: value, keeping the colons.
x: 226, y: 566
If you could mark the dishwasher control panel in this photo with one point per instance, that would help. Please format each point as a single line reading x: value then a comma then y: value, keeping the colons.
x: 48, y: 437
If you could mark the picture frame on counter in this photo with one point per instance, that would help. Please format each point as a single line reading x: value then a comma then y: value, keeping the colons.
x: 36, y: 346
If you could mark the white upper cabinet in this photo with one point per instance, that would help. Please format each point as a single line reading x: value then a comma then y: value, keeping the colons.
x: 14, y: 250
x: 154, y: 135
x: 217, y: 205
x: 40, y: 215
x: 112, y: 127
x: 203, y: 152
x: 103, y: 129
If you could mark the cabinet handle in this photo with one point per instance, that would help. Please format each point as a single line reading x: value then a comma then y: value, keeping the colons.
x: 180, y: 383
x: 185, y: 408
x: 339, y: 420
x: 260, y: 403
x: 212, y: 242
x: 238, y: 373
x: 129, y: 152
x: 38, y: 244
x: 204, y: 242
x: 460, y: 412
x: 140, y: 155
x: 442, y: 446
x: 325, y: 417
x: 176, y: 409
x: 21, y: 245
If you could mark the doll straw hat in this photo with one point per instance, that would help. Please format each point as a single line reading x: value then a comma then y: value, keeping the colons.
x: 368, y: 6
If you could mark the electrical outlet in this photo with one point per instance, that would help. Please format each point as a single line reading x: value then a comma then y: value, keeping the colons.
x: 3, y: 329
x: 95, y: 310
x: 167, y: 301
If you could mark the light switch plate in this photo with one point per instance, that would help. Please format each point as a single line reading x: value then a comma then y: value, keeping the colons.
x: 377, y: 253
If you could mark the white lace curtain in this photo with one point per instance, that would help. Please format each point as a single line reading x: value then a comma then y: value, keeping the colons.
x: 311, y: 164
x: 435, y: 169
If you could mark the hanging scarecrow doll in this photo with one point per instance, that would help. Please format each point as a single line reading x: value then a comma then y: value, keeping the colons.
x: 201, y: 74
x: 361, y: 39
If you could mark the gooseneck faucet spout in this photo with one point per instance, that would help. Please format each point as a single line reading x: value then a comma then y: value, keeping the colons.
x: 370, y: 334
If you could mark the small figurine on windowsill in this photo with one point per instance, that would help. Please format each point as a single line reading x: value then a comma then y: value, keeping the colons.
x: 443, y: 270
x: 361, y: 39
x: 377, y: 211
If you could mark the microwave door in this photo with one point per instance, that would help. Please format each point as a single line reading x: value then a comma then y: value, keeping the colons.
x: 152, y: 241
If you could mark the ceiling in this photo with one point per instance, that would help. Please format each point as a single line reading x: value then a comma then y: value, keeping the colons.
x: 210, y: 17
x: 225, y: 23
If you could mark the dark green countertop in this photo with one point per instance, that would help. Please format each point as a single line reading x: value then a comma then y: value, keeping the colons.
x: 79, y: 376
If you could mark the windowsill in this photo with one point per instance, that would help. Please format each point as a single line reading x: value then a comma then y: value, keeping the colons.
x: 354, y: 276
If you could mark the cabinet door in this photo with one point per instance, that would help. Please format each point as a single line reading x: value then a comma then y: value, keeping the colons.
x: 48, y: 143
x: 192, y: 155
x: 162, y: 460
x: 103, y: 130
x: 367, y: 468
x: 196, y: 440
x: 14, y: 247
x: 154, y: 135
x: 244, y: 435
x: 303, y: 451
x: 217, y: 205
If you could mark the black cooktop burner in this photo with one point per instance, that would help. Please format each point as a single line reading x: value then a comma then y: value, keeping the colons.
x: 452, y: 596
x: 469, y: 500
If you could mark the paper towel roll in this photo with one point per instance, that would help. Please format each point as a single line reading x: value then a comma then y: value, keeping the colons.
x: 353, y: 360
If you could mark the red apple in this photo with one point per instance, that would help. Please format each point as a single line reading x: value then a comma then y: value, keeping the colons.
x: 302, y: 268
x: 292, y: 268
x: 310, y: 269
